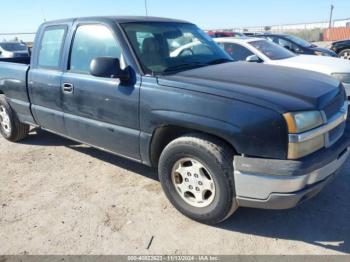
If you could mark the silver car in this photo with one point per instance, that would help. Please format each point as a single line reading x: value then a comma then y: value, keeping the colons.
x: 13, y: 49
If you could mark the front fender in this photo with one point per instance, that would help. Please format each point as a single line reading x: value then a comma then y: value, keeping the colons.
x: 251, y: 129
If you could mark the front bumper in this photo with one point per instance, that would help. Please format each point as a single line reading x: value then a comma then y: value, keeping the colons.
x: 283, y: 184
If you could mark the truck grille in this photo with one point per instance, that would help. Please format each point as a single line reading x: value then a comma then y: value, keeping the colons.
x: 335, y: 134
x: 331, y: 111
x: 335, y: 106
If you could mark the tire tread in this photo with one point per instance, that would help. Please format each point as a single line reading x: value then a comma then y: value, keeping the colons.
x: 19, y: 130
x: 223, y: 155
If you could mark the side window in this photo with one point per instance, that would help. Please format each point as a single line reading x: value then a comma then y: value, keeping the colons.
x: 237, y: 52
x: 51, y: 46
x: 285, y: 43
x: 272, y: 39
x: 92, y: 41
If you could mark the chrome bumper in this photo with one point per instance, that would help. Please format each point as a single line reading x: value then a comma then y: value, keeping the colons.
x: 281, y: 184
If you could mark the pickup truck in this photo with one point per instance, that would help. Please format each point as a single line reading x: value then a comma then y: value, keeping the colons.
x: 222, y: 134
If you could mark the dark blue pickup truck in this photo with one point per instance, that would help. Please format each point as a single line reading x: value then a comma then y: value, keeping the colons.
x: 222, y: 134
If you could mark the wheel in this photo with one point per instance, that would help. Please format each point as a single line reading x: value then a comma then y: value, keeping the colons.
x: 345, y: 54
x: 186, y: 52
x: 10, y: 127
x: 196, y: 173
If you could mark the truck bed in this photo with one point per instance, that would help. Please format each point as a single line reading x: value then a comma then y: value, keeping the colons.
x: 13, y: 83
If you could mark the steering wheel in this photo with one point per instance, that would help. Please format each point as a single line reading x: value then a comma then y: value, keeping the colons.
x: 189, y: 52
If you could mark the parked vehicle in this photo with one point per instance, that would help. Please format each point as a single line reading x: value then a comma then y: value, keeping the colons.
x: 222, y: 134
x: 342, y: 48
x: 214, y: 34
x: 249, y: 34
x: 297, y: 45
x: 13, y: 49
x: 263, y: 51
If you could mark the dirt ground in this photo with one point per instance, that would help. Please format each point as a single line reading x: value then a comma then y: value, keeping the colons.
x: 59, y: 197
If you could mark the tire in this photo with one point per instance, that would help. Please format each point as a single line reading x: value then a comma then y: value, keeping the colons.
x: 189, y: 153
x: 345, y: 54
x: 11, y: 129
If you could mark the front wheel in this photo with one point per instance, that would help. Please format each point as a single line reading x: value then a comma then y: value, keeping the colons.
x: 196, y: 173
x: 10, y: 127
x: 345, y: 54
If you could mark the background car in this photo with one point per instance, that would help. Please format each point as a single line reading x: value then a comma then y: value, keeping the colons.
x: 249, y: 34
x: 263, y: 51
x: 215, y: 34
x: 342, y: 48
x: 297, y: 45
x: 13, y: 50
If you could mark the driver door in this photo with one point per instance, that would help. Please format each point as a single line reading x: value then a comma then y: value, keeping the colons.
x: 99, y: 111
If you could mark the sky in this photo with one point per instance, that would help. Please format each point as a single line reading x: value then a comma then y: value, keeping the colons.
x: 25, y: 16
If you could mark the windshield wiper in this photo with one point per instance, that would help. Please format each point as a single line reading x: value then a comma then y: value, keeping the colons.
x: 220, y: 61
x: 184, y: 67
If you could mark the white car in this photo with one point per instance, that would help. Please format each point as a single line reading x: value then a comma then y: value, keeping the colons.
x: 263, y: 51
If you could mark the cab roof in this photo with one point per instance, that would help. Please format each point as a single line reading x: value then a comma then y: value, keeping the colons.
x: 119, y: 19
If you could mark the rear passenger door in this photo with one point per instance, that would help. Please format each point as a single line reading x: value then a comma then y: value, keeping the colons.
x: 99, y: 111
x: 44, y: 79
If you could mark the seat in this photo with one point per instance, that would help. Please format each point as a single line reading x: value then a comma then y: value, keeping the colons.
x: 151, y: 53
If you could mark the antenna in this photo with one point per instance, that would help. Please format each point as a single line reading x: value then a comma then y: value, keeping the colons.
x: 146, y: 7
x: 43, y: 14
x: 331, y: 16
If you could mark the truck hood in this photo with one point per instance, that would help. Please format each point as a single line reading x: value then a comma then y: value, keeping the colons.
x: 279, y: 88
x: 322, y: 64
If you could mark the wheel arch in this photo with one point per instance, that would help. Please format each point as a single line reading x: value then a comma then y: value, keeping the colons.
x: 164, y: 135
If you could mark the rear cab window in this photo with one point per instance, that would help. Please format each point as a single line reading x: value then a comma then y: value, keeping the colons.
x: 51, y: 46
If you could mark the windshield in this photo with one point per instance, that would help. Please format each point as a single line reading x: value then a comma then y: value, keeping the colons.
x: 271, y: 50
x: 13, y: 47
x: 164, y: 48
x: 298, y: 41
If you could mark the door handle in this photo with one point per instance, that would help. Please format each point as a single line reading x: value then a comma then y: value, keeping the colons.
x: 67, y: 88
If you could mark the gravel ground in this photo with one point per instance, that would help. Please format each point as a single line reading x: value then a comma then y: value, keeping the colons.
x: 59, y: 197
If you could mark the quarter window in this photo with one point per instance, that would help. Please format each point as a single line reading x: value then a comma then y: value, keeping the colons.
x: 51, y: 46
x: 92, y: 41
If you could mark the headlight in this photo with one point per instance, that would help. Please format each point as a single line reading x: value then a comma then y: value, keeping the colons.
x: 321, y: 53
x: 303, y: 121
x: 342, y: 77
x: 300, y: 122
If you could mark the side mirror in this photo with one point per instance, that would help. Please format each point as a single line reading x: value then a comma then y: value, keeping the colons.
x: 108, y: 67
x: 253, y: 59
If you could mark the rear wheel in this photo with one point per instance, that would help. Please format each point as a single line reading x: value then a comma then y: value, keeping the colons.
x: 345, y: 54
x: 10, y: 127
x: 196, y: 173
